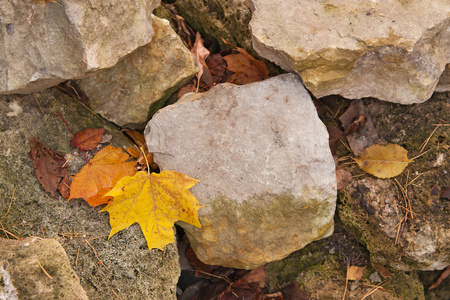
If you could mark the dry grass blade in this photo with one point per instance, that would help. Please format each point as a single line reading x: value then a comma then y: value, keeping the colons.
x: 46, y: 273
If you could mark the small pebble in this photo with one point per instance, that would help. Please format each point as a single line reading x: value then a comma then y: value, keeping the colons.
x: 375, y: 277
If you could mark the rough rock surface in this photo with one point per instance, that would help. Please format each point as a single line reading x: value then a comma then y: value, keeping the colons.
x: 391, y: 50
x: 444, y: 81
x: 24, y: 278
x: 128, y: 269
x: 371, y: 209
x: 134, y: 89
x: 424, y: 243
x: 227, y: 19
x: 42, y: 45
x: 265, y: 169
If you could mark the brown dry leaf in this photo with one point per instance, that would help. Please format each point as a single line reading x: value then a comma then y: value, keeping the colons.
x: 359, y: 127
x: 100, y: 175
x: 87, y: 139
x: 292, y: 291
x: 382, y: 270
x: 343, y: 178
x: 446, y: 193
x: 197, y: 263
x: 137, y: 137
x: 188, y: 88
x: 240, y: 289
x: 49, y: 168
x: 355, y: 273
x: 139, y: 141
x: 200, y: 54
x: 247, y: 69
x: 441, y: 278
x: 133, y: 152
x: 257, y: 276
x: 383, y: 161
x: 217, y: 66
x: 335, y: 134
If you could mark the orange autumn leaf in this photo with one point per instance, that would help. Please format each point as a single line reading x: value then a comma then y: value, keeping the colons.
x: 100, y: 175
x: 156, y: 202
x: 246, y: 68
x: 87, y: 139
x: 383, y: 161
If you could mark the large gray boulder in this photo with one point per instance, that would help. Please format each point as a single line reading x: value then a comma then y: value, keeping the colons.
x: 266, y: 172
x: 42, y: 45
x: 140, y: 83
x: 392, y: 50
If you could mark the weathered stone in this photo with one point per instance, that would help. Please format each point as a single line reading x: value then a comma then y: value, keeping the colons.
x: 21, y: 261
x: 42, y: 45
x: 128, y: 268
x: 266, y: 172
x: 444, y: 81
x: 423, y: 240
x: 134, y: 89
x: 373, y: 209
x: 391, y: 50
x: 227, y: 19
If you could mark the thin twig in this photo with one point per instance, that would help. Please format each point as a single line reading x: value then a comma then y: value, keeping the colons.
x: 373, y: 290
x: 115, y: 294
x: 13, y: 235
x: 97, y: 237
x: 346, y: 278
x: 95, y: 252
x: 38, y: 103
x: 12, y: 197
x: 428, y: 139
x: 75, y: 139
x: 44, y: 270
x: 78, y: 252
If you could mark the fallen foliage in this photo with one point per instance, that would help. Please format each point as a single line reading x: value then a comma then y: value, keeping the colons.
x: 441, y: 278
x: 355, y: 272
x: 383, y: 161
x: 155, y: 202
x: 102, y: 172
x: 87, y: 139
x: 49, y: 167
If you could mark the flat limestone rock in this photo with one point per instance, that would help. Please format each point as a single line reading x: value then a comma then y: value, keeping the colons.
x: 266, y: 173
x: 391, y: 50
x: 134, y: 89
x: 42, y: 45
x: 24, y: 278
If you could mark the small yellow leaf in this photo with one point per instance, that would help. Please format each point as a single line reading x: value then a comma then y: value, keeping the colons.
x: 156, y: 202
x: 355, y: 273
x: 383, y: 161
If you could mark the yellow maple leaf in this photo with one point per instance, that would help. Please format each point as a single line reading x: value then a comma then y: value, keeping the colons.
x: 383, y: 161
x: 156, y: 202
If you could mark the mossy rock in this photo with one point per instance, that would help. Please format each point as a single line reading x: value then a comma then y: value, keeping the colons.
x: 372, y: 209
x: 320, y: 271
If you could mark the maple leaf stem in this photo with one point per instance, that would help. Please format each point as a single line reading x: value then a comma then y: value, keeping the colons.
x: 74, y: 138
